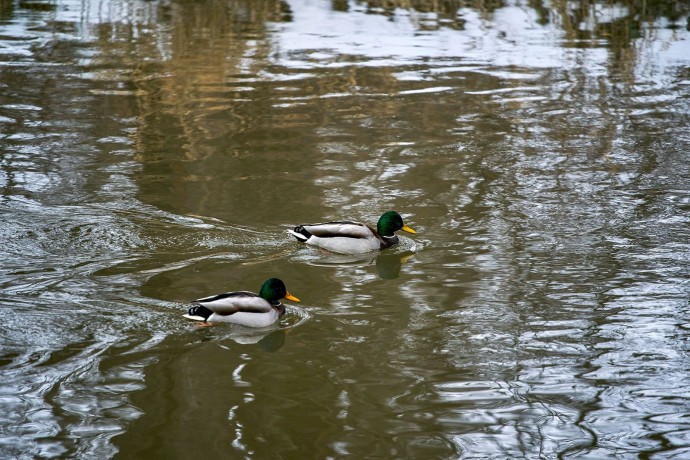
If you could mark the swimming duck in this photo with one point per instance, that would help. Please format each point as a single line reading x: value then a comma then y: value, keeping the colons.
x: 352, y: 237
x: 243, y: 307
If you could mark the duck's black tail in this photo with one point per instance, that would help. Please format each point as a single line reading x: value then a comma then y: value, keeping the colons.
x: 199, y: 312
x: 300, y: 233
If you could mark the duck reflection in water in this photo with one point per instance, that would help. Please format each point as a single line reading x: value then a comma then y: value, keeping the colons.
x: 268, y: 340
x: 271, y: 341
x: 388, y: 265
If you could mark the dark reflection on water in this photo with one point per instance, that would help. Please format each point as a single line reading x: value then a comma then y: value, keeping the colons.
x: 156, y: 152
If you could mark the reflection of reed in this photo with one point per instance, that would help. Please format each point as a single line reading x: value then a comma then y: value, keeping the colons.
x: 209, y: 88
x: 207, y: 91
x: 620, y: 25
x: 208, y: 50
x: 569, y: 15
x: 429, y: 15
x: 197, y: 77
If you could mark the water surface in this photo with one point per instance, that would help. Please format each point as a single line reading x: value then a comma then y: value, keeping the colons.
x: 153, y: 152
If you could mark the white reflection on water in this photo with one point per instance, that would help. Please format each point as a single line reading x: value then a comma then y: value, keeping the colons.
x: 511, y: 36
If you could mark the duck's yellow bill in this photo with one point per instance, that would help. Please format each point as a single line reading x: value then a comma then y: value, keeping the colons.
x: 291, y: 297
x: 408, y: 229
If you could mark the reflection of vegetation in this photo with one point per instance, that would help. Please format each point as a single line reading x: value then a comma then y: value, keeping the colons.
x: 583, y: 20
x: 445, y: 8
x: 431, y: 15
x: 619, y: 23
x: 6, y: 9
x: 206, y: 53
x: 37, y: 6
x: 195, y: 70
x: 209, y: 86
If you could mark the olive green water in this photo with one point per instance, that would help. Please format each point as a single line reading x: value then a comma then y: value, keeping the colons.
x: 154, y: 152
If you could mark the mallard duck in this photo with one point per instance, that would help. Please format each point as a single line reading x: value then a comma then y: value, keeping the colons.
x: 352, y: 237
x: 243, y: 307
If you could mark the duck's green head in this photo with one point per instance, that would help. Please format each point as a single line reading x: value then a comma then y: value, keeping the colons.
x: 273, y: 290
x: 390, y: 222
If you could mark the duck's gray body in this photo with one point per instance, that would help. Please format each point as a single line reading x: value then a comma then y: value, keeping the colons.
x: 242, y: 307
x: 343, y: 237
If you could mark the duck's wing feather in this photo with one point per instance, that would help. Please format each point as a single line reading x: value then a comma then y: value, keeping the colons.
x: 339, y: 229
x: 234, y: 302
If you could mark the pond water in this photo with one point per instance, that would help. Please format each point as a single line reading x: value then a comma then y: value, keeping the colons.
x: 154, y: 152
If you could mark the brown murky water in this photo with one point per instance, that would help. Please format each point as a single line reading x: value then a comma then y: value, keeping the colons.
x: 153, y: 152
